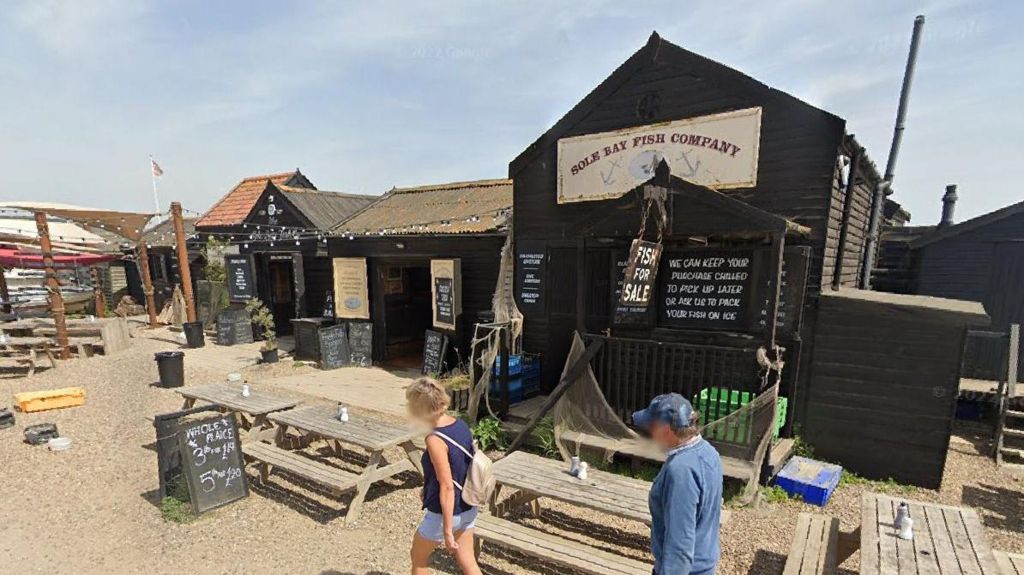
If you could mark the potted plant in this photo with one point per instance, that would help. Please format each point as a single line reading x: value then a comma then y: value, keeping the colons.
x: 261, y: 317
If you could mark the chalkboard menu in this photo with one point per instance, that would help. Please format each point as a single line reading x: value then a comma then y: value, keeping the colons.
x: 706, y: 289
x: 435, y: 347
x: 530, y: 270
x: 360, y: 343
x: 795, y: 262
x: 241, y: 277
x: 624, y: 315
x: 212, y: 462
x: 168, y: 448
x: 234, y: 326
x: 444, y: 304
x: 637, y: 288
x: 334, y: 350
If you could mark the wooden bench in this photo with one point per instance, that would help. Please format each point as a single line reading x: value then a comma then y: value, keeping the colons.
x: 25, y: 357
x: 269, y: 456
x: 1009, y: 563
x: 815, y: 548
x: 555, y: 549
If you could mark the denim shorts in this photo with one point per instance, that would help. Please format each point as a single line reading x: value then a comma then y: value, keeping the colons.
x: 432, y: 526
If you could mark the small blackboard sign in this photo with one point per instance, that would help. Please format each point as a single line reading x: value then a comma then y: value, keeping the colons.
x: 234, y: 326
x: 530, y: 272
x: 795, y: 262
x: 168, y: 448
x: 707, y: 289
x: 360, y: 343
x: 334, y: 350
x: 211, y: 458
x: 241, y: 277
x: 435, y: 347
x: 641, y: 271
x: 444, y: 301
x: 624, y: 315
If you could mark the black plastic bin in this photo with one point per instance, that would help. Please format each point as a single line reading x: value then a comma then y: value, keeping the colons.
x: 194, y: 334
x: 171, y: 365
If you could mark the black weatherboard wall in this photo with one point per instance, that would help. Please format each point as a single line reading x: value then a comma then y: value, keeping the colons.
x: 798, y: 178
x: 885, y: 375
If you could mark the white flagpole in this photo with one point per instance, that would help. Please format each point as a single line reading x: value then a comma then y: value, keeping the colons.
x: 152, y: 173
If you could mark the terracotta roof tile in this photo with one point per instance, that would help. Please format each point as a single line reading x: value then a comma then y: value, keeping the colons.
x: 232, y: 209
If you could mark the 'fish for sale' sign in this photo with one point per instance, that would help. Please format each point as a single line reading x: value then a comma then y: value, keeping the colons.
x: 641, y: 271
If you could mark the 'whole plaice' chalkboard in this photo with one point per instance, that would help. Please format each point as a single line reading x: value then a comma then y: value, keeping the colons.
x: 334, y: 350
x: 212, y: 462
x: 234, y: 326
x: 435, y: 347
x: 241, y: 277
x: 360, y: 343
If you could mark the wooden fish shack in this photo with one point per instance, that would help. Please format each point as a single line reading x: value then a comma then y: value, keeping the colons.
x: 422, y: 261
x: 757, y: 200
x: 278, y: 226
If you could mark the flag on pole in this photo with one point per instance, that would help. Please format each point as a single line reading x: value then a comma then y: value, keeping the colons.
x: 157, y: 170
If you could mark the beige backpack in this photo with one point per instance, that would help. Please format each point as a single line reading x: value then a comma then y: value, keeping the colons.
x: 479, y: 476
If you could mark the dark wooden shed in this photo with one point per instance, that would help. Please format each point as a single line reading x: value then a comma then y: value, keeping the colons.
x: 397, y: 243
x: 886, y: 373
x: 808, y: 174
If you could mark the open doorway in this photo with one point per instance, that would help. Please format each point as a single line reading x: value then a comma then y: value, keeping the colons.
x: 407, y: 311
x: 282, y: 294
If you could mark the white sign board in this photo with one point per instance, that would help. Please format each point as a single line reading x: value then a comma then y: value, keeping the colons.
x: 350, y: 289
x: 717, y: 151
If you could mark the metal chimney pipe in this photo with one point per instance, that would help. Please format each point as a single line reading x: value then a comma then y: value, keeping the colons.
x: 948, y: 206
x: 874, y: 225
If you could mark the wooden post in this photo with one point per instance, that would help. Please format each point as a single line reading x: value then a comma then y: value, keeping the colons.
x: 53, y: 286
x: 97, y: 293
x: 183, y: 270
x: 5, y: 295
x: 147, y: 283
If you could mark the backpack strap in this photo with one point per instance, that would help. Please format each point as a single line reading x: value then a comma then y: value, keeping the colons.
x: 461, y: 448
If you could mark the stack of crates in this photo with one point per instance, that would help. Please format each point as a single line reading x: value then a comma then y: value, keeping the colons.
x: 715, y: 403
x: 523, y: 377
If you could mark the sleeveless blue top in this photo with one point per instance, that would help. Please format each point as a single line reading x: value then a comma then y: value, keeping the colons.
x: 457, y: 460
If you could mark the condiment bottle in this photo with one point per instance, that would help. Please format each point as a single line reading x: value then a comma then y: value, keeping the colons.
x: 246, y: 392
x: 574, y: 465
x: 582, y: 472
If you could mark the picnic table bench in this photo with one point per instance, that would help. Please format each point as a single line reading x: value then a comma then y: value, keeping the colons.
x: 947, y: 540
x: 252, y: 411
x: 533, y: 477
x: 558, y: 550
x: 319, y: 423
x: 815, y: 547
x: 1010, y: 563
x: 24, y: 352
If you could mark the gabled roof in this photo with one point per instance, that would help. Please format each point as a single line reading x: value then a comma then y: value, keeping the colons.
x: 656, y: 50
x: 233, y: 208
x: 324, y: 209
x: 459, y: 207
x: 162, y: 234
x: 968, y: 225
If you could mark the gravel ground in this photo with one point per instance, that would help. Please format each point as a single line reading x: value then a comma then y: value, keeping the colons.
x: 93, y: 509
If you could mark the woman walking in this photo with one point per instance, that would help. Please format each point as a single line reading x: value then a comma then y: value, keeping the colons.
x: 448, y: 519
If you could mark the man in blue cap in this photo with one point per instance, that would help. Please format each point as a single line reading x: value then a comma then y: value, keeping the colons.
x: 686, y: 498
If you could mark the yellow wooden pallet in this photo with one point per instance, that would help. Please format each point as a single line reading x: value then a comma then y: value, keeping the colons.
x: 30, y: 401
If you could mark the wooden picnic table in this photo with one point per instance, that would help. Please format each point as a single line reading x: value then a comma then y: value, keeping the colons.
x: 947, y: 540
x: 372, y: 435
x: 534, y: 477
x: 252, y: 410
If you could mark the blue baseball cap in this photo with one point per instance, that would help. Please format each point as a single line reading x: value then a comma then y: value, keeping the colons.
x: 670, y: 408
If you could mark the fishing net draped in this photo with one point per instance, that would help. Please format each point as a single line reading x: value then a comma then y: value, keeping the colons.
x: 584, y: 421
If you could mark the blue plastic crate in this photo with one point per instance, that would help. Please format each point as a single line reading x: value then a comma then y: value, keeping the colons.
x: 519, y: 365
x: 813, y: 481
x: 970, y: 410
x: 519, y: 389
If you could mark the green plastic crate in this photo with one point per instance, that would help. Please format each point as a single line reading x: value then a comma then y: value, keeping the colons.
x: 714, y: 403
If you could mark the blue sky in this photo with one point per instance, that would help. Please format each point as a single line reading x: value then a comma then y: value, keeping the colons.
x: 369, y: 95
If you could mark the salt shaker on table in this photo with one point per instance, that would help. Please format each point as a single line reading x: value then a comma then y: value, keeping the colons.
x: 582, y: 472
x: 904, y: 524
x: 246, y: 392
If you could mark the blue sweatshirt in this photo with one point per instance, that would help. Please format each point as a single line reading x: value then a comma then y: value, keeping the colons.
x: 686, y: 505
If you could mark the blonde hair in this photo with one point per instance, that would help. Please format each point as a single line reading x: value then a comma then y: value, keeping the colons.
x: 427, y: 397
